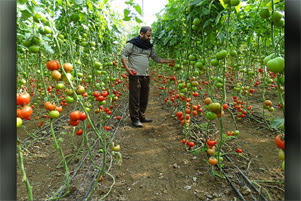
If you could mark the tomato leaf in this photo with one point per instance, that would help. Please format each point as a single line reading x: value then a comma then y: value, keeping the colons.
x: 126, y: 12
x: 130, y: 2
x: 138, y: 20
x: 126, y: 18
x: 138, y: 9
x: 195, y: 152
x: 47, y: 48
x: 276, y: 123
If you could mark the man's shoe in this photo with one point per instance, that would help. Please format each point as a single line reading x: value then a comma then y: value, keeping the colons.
x: 137, y: 124
x: 146, y: 120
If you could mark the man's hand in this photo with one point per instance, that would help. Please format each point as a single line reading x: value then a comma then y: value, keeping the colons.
x: 130, y: 71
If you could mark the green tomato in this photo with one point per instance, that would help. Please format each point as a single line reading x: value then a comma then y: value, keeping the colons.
x: 199, y: 65
x: 19, y: 122
x: 47, y: 30
x: 22, y: 81
x: 214, y: 62
x: 115, y: 148
x: 54, y: 114
x: 194, y: 27
x: 234, y: 2
x: 60, y: 86
x: 221, y: 54
x: 103, y: 102
x: 191, y: 57
x: 26, y: 43
x: 69, y: 99
x: 84, y: 43
x: 279, y: 23
x: 211, y: 116
x: 267, y: 58
x: 264, y: 13
x: 196, y: 21
x: 34, y: 49
x: 192, y: 63
x: 276, y: 65
x: 226, y: 1
x: 75, y: 17
x: 281, y: 154
x: 276, y: 16
x: 233, y: 53
x: 236, y: 132
x: 97, y: 64
x: 61, y: 36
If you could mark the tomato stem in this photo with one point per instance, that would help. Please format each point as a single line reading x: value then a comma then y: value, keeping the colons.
x: 24, y: 177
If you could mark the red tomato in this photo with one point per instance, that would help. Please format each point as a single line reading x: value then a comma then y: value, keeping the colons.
x: 23, y: 99
x: 49, y: 106
x: 179, y: 113
x: 190, y: 144
x: 75, y: 115
x: 118, y: 117
x: 74, y: 123
x: 238, y: 150
x: 26, y: 112
x: 225, y: 106
x: 280, y: 142
x: 79, y: 132
x: 53, y: 65
x: 96, y: 94
x: 211, y: 142
x: 83, y: 116
x: 212, y: 161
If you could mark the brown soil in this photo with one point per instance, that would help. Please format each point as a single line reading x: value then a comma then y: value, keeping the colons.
x: 155, y: 165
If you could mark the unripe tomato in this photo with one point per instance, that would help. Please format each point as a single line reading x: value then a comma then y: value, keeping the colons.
x: 211, y: 116
x: 67, y: 67
x: 56, y: 75
x: 281, y: 154
x: 211, y: 151
x: 115, y: 148
x: 19, y: 122
x: 54, y: 114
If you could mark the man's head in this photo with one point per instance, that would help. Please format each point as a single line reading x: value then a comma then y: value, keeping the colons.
x: 146, y: 33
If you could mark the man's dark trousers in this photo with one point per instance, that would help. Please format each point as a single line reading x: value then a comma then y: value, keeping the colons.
x: 138, y: 96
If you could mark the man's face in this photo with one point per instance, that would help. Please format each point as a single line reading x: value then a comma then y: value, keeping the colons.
x: 147, y: 36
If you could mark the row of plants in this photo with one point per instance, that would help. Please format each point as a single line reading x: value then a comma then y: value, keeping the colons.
x: 226, y: 52
x: 68, y: 62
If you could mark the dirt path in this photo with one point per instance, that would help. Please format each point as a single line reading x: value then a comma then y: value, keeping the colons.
x: 155, y: 164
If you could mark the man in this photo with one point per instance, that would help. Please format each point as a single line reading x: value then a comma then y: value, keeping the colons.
x: 138, y: 50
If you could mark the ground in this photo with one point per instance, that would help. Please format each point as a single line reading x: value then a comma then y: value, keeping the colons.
x: 155, y: 164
